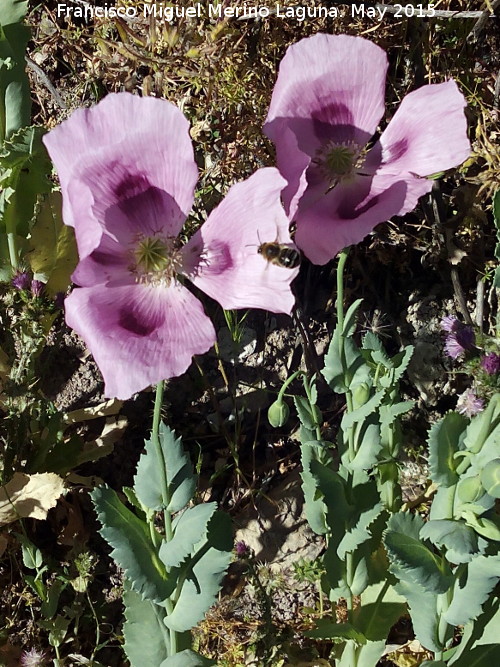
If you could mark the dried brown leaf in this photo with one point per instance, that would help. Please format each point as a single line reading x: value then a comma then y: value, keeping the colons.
x: 29, y: 496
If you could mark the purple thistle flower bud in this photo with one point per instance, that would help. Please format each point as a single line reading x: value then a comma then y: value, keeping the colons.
x: 469, y: 404
x: 21, y: 280
x: 242, y: 549
x: 37, y: 287
x: 491, y: 363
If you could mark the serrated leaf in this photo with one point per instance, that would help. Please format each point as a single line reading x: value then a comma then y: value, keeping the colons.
x: 401, y: 361
x: 52, y: 247
x: 423, y: 611
x: 411, y: 560
x: 190, y: 527
x: 388, y: 413
x: 472, y: 589
x: 445, y: 439
x: 187, y: 658
x: 326, y: 629
x: 360, y: 533
x: 371, y: 341
x: 181, y: 482
x: 309, y: 415
x: 315, y: 508
x: 360, y: 414
x: 459, y: 539
x: 203, y: 579
x: 332, y: 488
x: 341, y: 371
x: 132, y: 546
x: 143, y: 619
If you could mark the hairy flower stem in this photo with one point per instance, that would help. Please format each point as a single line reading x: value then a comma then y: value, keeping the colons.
x: 167, y: 519
x: 351, y: 439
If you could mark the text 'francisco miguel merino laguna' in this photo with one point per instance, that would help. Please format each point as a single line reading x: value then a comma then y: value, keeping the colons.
x: 169, y: 13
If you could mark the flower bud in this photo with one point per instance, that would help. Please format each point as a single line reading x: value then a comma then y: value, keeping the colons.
x: 360, y: 394
x: 470, y: 489
x: 278, y: 413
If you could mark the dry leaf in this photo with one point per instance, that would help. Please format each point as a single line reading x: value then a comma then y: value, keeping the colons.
x: 29, y: 496
x: 106, y: 409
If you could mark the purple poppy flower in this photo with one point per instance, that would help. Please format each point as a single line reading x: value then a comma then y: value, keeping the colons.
x: 127, y: 174
x: 326, y: 106
x: 491, y: 363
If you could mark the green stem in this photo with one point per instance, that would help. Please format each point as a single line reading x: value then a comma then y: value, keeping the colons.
x: 13, y: 254
x: 155, y: 438
x: 167, y: 519
x: 287, y: 382
x: 340, y: 290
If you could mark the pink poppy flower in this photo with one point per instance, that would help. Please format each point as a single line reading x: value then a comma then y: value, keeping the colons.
x: 128, y: 174
x: 326, y: 106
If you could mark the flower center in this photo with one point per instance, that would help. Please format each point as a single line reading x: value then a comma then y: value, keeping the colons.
x: 339, y: 161
x: 156, y: 259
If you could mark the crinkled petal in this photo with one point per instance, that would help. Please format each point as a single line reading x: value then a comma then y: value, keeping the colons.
x: 139, y: 334
x: 131, y: 144
x: 109, y: 262
x: 329, y: 88
x: 345, y: 215
x: 428, y: 132
x: 223, y: 258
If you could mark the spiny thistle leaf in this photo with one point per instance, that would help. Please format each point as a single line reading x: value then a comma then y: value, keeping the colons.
x: 133, y: 550
x: 181, y: 481
x: 472, y: 589
x: 445, y: 439
x: 411, y: 560
x: 189, y: 528
x: 143, y: 618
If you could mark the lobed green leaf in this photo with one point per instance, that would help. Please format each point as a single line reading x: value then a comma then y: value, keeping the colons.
x: 181, y: 481
x: 133, y: 550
